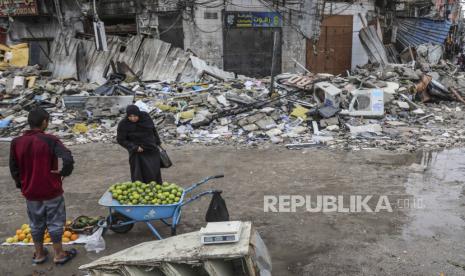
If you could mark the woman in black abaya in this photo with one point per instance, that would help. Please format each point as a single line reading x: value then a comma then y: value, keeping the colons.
x: 137, y: 133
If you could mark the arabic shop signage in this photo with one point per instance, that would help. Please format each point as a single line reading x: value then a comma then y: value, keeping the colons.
x: 18, y: 7
x: 253, y: 19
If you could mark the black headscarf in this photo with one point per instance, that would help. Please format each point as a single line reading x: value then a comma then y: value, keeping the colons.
x: 145, y: 121
x: 132, y: 110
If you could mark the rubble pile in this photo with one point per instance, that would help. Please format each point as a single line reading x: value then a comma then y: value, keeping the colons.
x: 396, y: 107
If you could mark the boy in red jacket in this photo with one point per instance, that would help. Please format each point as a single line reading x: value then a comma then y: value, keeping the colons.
x: 34, y: 167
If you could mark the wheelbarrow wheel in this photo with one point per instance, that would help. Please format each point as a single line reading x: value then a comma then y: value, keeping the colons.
x: 116, y: 220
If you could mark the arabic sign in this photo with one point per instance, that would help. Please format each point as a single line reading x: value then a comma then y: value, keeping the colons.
x: 253, y: 19
x: 18, y: 7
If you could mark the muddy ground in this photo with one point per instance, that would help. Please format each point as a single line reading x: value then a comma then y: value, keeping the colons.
x: 425, y: 239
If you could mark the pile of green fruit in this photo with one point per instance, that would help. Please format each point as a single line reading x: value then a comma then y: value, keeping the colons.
x: 84, y: 221
x: 138, y: 193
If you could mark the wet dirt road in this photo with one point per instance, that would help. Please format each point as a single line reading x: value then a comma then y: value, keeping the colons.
x: 423, y: 235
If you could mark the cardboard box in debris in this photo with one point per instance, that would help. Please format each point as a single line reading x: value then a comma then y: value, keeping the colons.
x: 392, y: 106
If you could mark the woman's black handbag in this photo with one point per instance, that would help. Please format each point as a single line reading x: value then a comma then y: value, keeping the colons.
x: 165, y: 161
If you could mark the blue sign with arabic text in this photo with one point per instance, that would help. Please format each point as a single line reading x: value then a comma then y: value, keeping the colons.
x: 253, y: 20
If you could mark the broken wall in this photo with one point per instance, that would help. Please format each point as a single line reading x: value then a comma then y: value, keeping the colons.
x: 294, y: 44
x: 203, y: 33
x: 41, y: 30
x: 151, y: 59
x: 47, y: 26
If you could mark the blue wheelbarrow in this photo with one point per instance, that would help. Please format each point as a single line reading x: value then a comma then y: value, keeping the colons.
x: 123, y: 217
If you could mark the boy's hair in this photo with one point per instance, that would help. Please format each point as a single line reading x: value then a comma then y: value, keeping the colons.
x: 37, y: 116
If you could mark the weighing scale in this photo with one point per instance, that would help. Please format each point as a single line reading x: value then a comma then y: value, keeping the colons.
x: 221, y: 232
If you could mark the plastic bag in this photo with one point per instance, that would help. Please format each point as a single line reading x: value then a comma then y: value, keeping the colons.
x: 142, y: 106
x: 95, y: 242
x: 217, y: 211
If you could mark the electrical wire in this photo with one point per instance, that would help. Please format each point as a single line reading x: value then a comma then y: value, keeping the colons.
x: 172, y: 25
x: 295, y: 27
x: 203, y: 31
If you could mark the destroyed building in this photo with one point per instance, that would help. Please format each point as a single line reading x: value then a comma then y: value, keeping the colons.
x: 214, y: 31
x: 238, y: 35
x: 347, y: 75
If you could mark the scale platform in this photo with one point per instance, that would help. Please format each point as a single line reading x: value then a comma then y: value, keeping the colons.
x: 221, y: 232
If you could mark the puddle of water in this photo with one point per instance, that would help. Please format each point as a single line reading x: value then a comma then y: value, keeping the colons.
x: 440, y: 189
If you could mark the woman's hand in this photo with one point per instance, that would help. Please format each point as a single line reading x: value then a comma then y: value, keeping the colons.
x: 139, y: 149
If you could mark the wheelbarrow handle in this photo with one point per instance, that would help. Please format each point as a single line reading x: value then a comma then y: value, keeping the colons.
x: 197, y: 196
x: 203, y: 181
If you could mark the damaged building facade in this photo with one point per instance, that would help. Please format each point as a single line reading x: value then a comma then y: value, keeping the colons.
x: 237, y: 36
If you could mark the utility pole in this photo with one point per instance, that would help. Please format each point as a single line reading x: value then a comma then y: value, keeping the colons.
x: 273, y: 60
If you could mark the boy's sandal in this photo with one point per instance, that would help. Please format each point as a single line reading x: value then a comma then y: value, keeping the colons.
x: 41, y: 260
x: 70, y: 254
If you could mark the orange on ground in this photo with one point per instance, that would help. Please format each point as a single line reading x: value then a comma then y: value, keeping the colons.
x: 19, y: 232
x: 67, y: 234
x: 74, y: 237
x: 65, y: 239
x: 21, y: 236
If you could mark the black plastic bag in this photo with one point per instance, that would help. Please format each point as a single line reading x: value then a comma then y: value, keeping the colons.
x: 217, y: 211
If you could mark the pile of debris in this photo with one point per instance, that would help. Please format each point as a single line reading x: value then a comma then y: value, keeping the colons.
x: 373, y: 108
x: 396, y: 107
x: 22, y: 89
